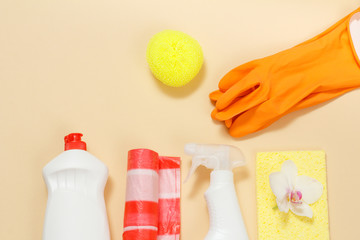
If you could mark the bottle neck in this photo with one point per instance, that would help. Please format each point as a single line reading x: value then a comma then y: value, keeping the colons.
x: 221, y: 177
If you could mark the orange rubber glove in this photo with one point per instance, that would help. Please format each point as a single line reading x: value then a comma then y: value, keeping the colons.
x: 254, y: 95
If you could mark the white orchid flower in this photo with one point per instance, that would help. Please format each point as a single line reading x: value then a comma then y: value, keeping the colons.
x: 294, y: 192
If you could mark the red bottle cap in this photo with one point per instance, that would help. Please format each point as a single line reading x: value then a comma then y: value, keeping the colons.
x: 73, y: 141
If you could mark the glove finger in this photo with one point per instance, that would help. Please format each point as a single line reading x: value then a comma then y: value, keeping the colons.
x: 213, y: 114
x: 251, y: 121
x: 252, y: 83
x: 245, y: 123
x: 316, y: 98
x: 266, y: 113
x: 215, y: 95
x: 244, y: 103
x: 227, y: 122
x: 236, y: 74
x: 310, y: 100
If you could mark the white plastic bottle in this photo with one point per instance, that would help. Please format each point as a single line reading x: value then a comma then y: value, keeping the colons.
x: 226, y: 222
x: 75, y: 181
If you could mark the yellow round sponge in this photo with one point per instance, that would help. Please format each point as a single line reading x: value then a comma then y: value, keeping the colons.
x: 174, y: 57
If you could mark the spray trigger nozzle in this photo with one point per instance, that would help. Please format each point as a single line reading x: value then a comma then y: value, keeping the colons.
x: 213, y: 156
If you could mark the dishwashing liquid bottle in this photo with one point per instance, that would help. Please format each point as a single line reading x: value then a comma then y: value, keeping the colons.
x: 226, y: 222
x: 75, y: 181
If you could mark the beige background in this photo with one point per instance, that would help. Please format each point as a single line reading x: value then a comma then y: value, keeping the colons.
x: 79, y: 66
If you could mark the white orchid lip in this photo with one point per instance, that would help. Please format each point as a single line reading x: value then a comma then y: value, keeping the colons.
x: 294, y: 192
x: 295, y: 197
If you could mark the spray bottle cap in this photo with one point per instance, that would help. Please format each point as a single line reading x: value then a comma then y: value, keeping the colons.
x: 214, y: 156
x: 73, y: 141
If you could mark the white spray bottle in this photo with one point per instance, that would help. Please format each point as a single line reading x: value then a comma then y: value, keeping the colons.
x: 75, y: 181
x: 226, y: 222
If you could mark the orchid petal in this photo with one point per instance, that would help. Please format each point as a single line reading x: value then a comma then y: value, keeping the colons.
x: 301, y: 209
x: 283, y: 204
x: 310, y: 188
x: 289, y: 168
x: 279, y: 184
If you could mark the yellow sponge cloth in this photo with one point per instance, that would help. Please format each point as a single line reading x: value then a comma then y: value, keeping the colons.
x: 273, y: 224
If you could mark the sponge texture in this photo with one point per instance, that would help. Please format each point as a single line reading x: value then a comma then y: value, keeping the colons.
x: 174, y: 57
x: 273, y: 224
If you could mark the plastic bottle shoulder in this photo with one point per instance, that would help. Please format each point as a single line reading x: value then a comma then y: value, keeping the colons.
x: 75, y: 159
